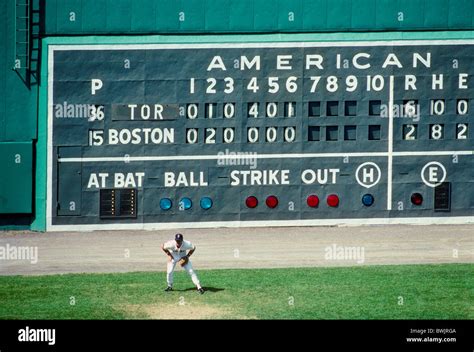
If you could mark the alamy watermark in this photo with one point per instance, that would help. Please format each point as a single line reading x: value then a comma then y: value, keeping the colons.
x: 345, y: 253
x: 37, y: 335
x: 9, y: 252
x: 409, y: 110
x: 78, y: 111
x: 227, y: 157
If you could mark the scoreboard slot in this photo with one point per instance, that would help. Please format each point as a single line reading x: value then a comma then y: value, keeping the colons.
x: 314, y: 109
x: 350, y: 133
x: 375, y: 132
x: 350, y: 108
x: 314, y: 133
x: 118, y: 203
x: 332, y: 133
x: 375, y: 107
x: 332, y: 108
x: 442, y: 197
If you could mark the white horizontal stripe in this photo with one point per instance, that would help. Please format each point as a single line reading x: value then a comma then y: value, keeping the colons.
x: 260, y: 156
x: 436, y: 152
x: 303, y: 44
x: 265, y: 223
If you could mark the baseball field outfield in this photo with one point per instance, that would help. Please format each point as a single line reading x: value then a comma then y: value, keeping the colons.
x: 435, y: 291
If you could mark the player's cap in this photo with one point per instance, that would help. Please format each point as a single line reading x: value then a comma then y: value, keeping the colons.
x: 178, y: 237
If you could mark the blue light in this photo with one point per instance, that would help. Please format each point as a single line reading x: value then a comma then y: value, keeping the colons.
x: 206, y: 203
x: 185, y: 203
x: 368, y: 200
x: 165, y: 204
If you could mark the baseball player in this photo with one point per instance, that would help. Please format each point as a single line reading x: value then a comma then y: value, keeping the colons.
x: 176, y: 251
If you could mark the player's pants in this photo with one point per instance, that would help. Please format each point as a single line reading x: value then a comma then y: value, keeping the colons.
x: 188, y: 267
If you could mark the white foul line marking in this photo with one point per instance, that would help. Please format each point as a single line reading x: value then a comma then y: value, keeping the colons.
x: 390, y: 145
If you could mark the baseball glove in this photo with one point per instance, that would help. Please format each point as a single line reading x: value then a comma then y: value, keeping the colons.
x: 183, y: 261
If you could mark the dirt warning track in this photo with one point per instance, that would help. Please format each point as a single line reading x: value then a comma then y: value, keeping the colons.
x: 222, y: 248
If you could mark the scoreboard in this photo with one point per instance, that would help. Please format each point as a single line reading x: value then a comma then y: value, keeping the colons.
x: 260, y: 134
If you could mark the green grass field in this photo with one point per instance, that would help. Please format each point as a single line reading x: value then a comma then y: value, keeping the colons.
x: 371, y: 292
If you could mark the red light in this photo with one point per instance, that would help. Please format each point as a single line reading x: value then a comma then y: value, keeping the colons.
x: 312, y: 201
x: 333, y: 200
x: 416, y: 198
x: 251, y: 202
x: 272, y: 201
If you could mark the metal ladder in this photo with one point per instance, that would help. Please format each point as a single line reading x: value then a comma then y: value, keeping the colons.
x: 27, y: 29
x: 22, y: 35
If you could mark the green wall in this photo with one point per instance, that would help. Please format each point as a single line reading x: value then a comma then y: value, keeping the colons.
x: 16, y: 183
x: 17, y: 101
x: 238, y: 16
x: 18, y: 122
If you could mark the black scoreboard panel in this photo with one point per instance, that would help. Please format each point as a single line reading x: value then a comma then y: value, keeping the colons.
x: 216, y: 134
